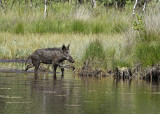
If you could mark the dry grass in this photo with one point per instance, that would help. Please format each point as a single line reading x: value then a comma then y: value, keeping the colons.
x: 16, y: 46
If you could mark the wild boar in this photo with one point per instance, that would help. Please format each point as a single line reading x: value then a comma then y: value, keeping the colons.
x: 53, y: 56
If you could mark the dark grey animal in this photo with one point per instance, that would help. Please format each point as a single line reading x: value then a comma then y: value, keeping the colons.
x: 53, y: 56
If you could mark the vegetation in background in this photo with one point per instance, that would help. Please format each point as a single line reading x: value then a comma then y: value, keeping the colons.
x: 95, y: 50
x: 112, y: 37
x: 147, y: 49
x: 96, y: 54
x: 62, y: 18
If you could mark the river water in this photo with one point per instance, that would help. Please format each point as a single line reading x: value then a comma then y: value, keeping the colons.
x: 22, y: 93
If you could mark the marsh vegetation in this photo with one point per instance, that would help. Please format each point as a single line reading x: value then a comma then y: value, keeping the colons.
x: 102, y: 37
x: 111, y: 35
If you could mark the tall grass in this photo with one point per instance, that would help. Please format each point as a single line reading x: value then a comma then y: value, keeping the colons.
x: 147, y: 47
x: 22, y: 45
x: 95, y: 50
x: 63, y: 18
x: 96, y: 34
x: 148, y: 54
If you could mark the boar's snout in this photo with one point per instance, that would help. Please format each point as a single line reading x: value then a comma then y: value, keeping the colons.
x: 71, y: 60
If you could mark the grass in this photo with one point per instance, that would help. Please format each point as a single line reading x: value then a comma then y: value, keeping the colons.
x: 148, y: 55
x: 62, y: 18
x: 19, y: 28
x: 94, y: 50
x: 22, y: 45
x: 95, y: 34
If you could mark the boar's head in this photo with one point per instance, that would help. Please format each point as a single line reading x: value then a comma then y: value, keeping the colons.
x: 66, y: 53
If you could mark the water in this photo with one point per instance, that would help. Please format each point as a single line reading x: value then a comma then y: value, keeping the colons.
x: 25, y: 94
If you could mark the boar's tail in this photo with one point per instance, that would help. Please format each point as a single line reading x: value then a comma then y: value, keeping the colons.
x: 27, y: 60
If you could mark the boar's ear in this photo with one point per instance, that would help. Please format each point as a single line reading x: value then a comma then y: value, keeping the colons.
x: 63, y: 47
x: 68, y: 46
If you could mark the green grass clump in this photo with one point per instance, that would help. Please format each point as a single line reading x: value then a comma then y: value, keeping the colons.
x: 43, y: 27
x: 95, y: 50
x: 98, y: 27
x: 19, y: 28
x: 122, y: 63
x: 119, y: 27
x: 148, y: 54
x: 79, y: 26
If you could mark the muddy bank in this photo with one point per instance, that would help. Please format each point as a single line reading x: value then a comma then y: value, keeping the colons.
x: 151, y: 73
x: 88, y: 69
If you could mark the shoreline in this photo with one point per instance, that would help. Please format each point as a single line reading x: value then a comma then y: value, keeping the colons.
x: 150, y: 73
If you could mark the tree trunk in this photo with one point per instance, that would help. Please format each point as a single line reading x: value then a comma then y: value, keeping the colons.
x: 144, y: 7
x: 93, y: 3
x: 134, y: 7
x: 45, y: 10
x: 31, y: 3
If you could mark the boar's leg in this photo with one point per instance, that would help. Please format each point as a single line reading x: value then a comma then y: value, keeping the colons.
x: 36, y: 64
x: 28, y: 67
x: 54, y: 67
x: 62, y: 70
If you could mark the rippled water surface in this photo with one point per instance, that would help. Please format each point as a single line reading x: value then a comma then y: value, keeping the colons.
x: 25, y: 94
